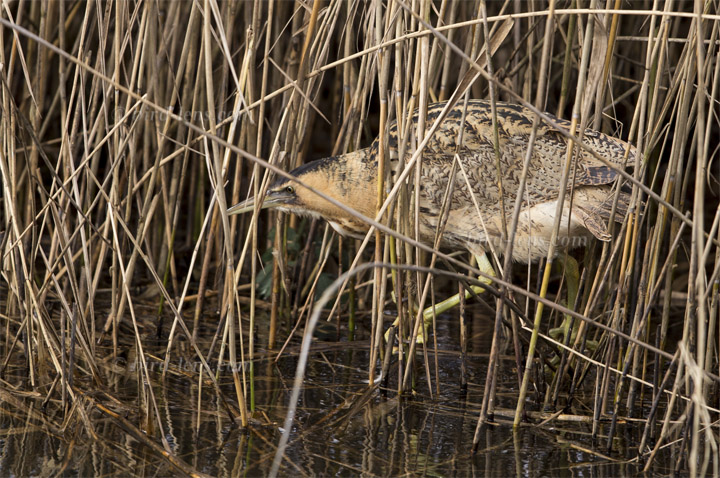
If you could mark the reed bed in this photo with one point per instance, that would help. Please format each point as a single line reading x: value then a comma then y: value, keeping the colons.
x: 129, y: 128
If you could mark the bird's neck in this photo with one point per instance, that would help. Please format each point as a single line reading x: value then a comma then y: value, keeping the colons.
x: 351, y: 179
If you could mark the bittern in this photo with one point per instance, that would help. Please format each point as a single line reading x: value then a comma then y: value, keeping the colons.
x: 475, y: 217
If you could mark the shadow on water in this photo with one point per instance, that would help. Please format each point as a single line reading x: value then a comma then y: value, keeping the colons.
x: 342, y: 427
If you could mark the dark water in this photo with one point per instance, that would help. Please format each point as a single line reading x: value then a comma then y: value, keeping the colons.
x: 340, y: 428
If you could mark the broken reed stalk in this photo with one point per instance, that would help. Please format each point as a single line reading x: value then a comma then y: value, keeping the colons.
x: 113, y: 173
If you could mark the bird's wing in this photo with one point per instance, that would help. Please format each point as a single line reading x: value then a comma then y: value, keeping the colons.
x: 593, y: 222
x: 515, y: 125
x: 592, y: 171
x: 593, y: 206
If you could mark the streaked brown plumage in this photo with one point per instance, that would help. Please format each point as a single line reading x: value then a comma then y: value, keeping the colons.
x: 352, y: 180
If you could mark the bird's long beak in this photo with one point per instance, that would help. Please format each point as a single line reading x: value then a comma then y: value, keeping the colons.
x: 242, y: 207
x: 271, y: 200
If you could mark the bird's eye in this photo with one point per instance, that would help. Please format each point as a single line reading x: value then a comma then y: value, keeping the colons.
x: 290, y: 189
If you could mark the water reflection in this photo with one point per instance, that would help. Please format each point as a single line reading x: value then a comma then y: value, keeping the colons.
x: 342, y: 427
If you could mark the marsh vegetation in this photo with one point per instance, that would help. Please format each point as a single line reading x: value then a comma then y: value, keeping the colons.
x: 140, y: 321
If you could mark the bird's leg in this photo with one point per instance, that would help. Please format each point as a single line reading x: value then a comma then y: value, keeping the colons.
x: 570, y: 325
x: 485, y: 266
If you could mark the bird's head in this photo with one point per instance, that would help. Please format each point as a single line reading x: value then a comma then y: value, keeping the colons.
x: 347, y: 179
x: 281, y: 195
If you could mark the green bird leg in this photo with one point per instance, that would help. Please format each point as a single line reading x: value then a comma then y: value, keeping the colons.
x: 485, y: 266
x: 570, y: 325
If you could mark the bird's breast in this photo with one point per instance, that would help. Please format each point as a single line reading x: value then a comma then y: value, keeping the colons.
x: 348, y: 228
